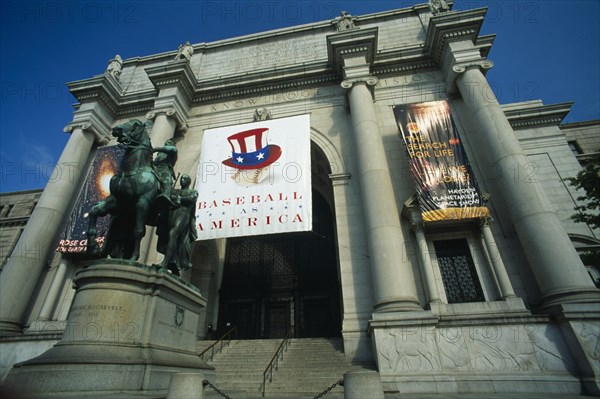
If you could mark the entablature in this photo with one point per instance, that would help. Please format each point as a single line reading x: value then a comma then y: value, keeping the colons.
x: 529, y: 114
x: 164, y: 72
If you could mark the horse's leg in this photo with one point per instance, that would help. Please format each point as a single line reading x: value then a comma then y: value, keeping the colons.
x: 141, y: 214
x: 102, y: 208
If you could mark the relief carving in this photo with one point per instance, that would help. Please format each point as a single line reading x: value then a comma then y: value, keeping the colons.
x: 591, y: 335
x: 404, y: 352
x: 453, y: 349
x: 501, y: 352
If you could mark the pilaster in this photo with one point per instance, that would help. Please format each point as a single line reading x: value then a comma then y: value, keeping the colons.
x: 176, y: 84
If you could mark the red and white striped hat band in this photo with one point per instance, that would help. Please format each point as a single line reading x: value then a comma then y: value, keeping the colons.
x: 250, y: 150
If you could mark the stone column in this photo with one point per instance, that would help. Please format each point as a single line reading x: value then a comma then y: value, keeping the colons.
x: 393, y: 281
x: 504, y: 285
x: 425, y: 261
x: 30, y: 256
x: 555, y: 264
x: 53, y: 292
x: 163, y: 129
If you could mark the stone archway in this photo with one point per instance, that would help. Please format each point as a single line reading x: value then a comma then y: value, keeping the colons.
x: 272, y: 283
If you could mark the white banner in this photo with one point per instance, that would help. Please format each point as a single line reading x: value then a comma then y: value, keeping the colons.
x: 255, y: 179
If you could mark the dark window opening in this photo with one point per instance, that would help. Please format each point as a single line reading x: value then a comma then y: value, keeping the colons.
x: 575, y: 148
x: 458, y: 271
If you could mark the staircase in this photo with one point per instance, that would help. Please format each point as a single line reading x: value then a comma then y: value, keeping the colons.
x: 308, y: 367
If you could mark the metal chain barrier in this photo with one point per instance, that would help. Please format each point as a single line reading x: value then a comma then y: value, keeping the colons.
x: 217, y: 390
x: 339, y: 382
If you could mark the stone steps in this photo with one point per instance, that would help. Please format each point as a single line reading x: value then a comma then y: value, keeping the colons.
x: 308, y: 367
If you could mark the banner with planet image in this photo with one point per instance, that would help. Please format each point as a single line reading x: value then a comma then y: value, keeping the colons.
x: 445, y: 183
x: 96, y: 188
x: 255, y: 179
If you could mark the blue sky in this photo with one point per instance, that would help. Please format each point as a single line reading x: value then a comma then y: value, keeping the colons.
x: 544, y: 49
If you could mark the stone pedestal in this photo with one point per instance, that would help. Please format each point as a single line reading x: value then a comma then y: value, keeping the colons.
x: 129, y: 329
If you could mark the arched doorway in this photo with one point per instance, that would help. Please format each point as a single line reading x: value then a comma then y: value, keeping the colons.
x: 272, y: 283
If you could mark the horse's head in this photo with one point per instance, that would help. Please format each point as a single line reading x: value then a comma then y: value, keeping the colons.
x: 131, y: 133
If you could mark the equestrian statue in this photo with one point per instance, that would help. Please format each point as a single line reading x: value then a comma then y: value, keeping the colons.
x: 133, y: 190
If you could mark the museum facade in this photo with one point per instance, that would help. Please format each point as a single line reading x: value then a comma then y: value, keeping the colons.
x: 492, y: 301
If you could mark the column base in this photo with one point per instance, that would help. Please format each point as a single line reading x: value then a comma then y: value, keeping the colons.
x: 397, y: 304
x: 10, y: 328
x: 552, y: 300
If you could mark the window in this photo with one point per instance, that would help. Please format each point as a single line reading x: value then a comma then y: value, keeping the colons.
x: 575, y: 149
x: 459, y: 276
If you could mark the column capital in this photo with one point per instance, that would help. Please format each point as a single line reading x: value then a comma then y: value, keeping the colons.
x: 416, y: 225
x: 368, y: 80
x: 459, y: 68
x: 485, y: 222
x: 99, y: 130
x: 170, y: 112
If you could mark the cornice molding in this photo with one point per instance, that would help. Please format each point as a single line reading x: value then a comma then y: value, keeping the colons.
x: 535, y: 114
x: 104, y: 89
x: 452, y: 26
x: 350, y: 43
x: 402, y: 67
x: 176, y: 73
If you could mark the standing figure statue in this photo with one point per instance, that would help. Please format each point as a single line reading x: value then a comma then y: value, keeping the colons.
x: 438, y: 6
x: 344, y: 22
x: 163, y: 163
x: 185, y: 51
x: 114, y: 67
x: 177, y: 228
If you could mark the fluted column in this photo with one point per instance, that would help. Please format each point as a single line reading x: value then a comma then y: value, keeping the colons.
x: 504, y: 285
x: 394, y: 285
x: 30, y: 256
x: 555, y: 264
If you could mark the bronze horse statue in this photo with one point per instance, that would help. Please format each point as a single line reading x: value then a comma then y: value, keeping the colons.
x: 133, y: 190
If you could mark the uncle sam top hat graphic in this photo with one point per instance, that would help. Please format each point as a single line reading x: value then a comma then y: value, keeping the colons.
x: 251, y: 152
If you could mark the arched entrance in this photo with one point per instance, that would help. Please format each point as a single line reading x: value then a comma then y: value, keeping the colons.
x: 272, y: 283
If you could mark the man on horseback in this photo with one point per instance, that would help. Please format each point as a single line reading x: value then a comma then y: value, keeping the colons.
x: 163, y: 163
x: 133, y: 190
